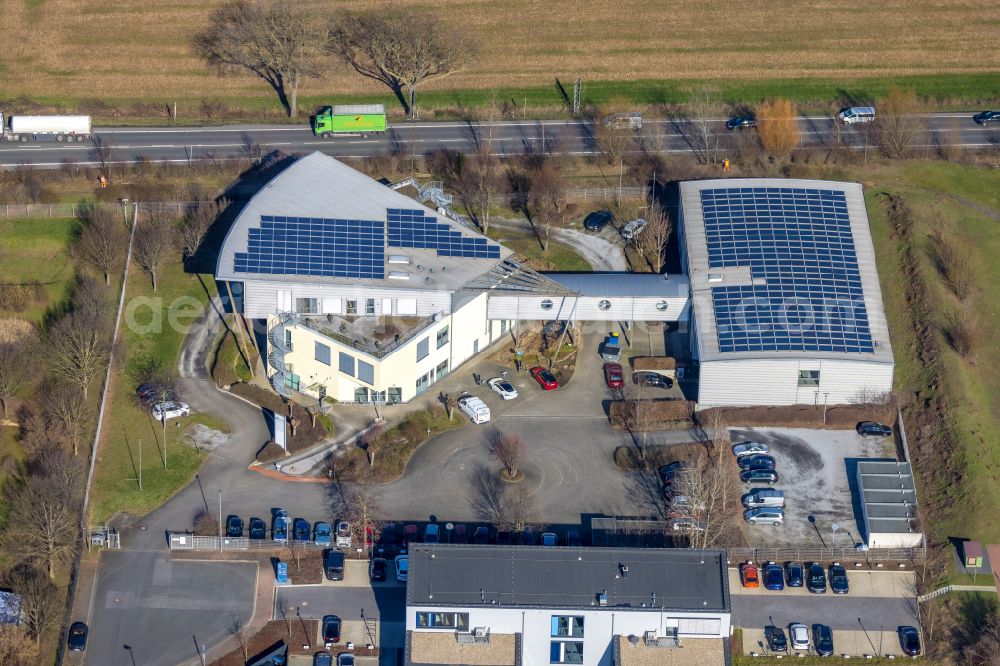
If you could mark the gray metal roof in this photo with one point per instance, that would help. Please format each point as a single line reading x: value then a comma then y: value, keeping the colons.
x: 443, y: 575
x: 628, y: 285
x: 318, y: 185
x: 693, y: 231
x: 888, y: 495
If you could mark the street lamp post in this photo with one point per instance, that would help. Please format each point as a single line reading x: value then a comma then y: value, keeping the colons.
x: 220, y: 519
x: 834, y: 527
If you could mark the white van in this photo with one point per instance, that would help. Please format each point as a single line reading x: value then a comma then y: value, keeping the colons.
x: 857, y: 114
x: 474, y: 408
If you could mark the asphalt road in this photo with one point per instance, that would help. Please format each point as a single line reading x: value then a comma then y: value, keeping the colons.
x: 185, y: 144
x: 835, y: 611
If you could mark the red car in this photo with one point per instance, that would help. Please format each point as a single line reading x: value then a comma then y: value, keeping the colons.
x: 544, y: 378
x: 410, y: 534
x: 613, y: 376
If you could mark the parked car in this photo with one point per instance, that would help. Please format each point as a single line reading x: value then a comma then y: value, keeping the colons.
x: 752, y: 476
x: 154, y: 392
x: 987, y: 117
x: 504, y: 538
x: 387, y: 540
x: 838, y: 579
x: 776, y: 640
x: 171, y: 409
x: 767, y: 516
x: 323, y: 659
x: 794, y: 574
x: 345, y: 536
x: 573, y: 539
x: 503, y: 388
x: 823, y: 640
x: 234, y: 527
x: 481, y: 536
x: 333, y: 564
x: 331, y: 630
x: 613, y: 376
x: 474, y: 408
x: 322, y: 533
x: 764, y: 497
x: 597, y: 220
x: 410, y: 534
x: 741, y: 122
x: 774, y: 576
x: 670, y: 471
x: 816, y: 579
x: 909, y: 641
x: 873, y: 429
x: 686, y: 524
x: 279, y: 525
x: 258, y: 529
x: 857, y: 114
x: 345, y: 659
x: 756, y: 461
x: 376, y: 570
x: 460, y: 534
x: 402, y: 567
x: 545, y: 379
x: 748, y: 448
x: 749, y: 576
x: 550, y: 539
x: 799, y: 634
x: 633, y: 228
x: 529, y: 537
x: 432, y: 533
x: 654, y: 379
x: 301, y: 529
x: 77, y: 638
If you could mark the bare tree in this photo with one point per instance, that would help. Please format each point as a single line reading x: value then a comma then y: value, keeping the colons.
x: 46, y: 529
x: 508, y: 450
x: 896, y: 126
x: 280, y: 42
x: 103, y: 152
x: 613, y: 142
x: 40, y: 604
x: 546, y: 201
x: 652, y: 241
x: 103, y: 242
x: 985, y: 651
x: 778, y: 127
x: 92, y: 300
x: 365, y: 510
x: 698, y: 127
x: 401, y: 49
x: 373, y: 440
x: 881, y: 405
x: 79, y: 348
x: 15, y: 369
x: 520, y: 507
x: 488, y: 497
x: 16, y: 646
x: 710, y: 487
x: 197, y: 221
x: 65, y: 406
x: 481, y: 182
x: 238, y: 629
x: 152, y: 242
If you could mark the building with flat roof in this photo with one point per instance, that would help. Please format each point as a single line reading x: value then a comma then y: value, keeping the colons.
x: 888, y: 504
x: 511, y: 605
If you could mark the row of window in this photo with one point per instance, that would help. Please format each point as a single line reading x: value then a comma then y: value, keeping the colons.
x: 604, y: 304
x: 347, y: 364
x: 424, y: 346
x: 311, y: 306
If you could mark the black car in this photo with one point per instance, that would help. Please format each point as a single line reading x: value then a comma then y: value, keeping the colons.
x: 481, y: 536
x: 987, y: 117
x: 301, y: 530
x: 258, y: 530
x: 654, y: 379
x: 573, y: 539
x: 331, y: 629
x: 816, y: 579
x: 504, y: 538
x: 741, y: 122
x: 597, y: 220
x: 752, y: 476
x: 909, y: 641
x: 234, y: 527
x: 838, y: 579
x: 333, y: 564
x: 793, y: 574
x: 377, y: 570
x: 757, y: 461
x: 77, y: 639
x: 822, y: 640
x: 669, y: 471
x: 776, y: 640
x: 872, y: 429
x: 154, y: 392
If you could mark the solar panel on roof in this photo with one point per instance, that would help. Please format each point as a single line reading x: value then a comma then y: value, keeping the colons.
x: 412, y: 228
x: 798, y: 242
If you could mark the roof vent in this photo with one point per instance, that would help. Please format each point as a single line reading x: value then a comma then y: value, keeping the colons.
x: 399, y: 259
x: 602, y: 598
x: 399, y: 275
x: 715, y: 277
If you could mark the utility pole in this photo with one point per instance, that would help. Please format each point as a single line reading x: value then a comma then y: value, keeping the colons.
x: 826, y: 397
x: 220, y: 519
x: 140, y: 464
x: 163, y: 420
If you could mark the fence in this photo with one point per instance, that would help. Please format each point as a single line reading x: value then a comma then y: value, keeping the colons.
x: 187, y: 541
x: 871, y: 557
x: 14, y: 211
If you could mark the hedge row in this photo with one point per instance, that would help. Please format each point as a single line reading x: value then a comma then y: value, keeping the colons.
x: 644, y: 415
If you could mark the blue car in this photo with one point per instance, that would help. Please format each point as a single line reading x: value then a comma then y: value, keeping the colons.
x: 321, y: 533
x: 279, y: 525
x: 795, y: 574
x: 774, y: 576
x: 301, y: 529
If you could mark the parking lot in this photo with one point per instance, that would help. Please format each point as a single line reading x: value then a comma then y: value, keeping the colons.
x: 816, y: 470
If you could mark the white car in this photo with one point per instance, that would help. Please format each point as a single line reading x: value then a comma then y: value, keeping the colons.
x: 402, y: 567
x: 503, y: 387
x: 170, y: 410
x: 748, y: 449
x: 799, y: 635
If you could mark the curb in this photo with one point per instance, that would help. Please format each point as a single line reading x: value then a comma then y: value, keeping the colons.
x: 259, y: 468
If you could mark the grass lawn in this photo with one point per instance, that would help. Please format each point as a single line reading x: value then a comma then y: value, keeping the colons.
x: 148, y: 345
x: 38, y: 249
x: 558, y: 256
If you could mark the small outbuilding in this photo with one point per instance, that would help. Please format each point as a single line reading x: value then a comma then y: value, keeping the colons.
x: 889, y: 504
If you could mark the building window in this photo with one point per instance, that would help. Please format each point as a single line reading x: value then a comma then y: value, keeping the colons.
x: 288, y: 339
x: 366, y: 372
x: 292, y: 381
x: 307, y: 305
x: 456, y: 621
x: 395, y: 395
x: 442, y: 337
x: 352, y: 307
x: 370, y: 306
x: 566, y: 652
x: 442, y: 369
x: 547, y: 304
x: 661, y: 306
x: 423, y: 349
x: 423, y: 382
x: 347, y: 364
x: 361, y: 395
x: 567, y: 626
x: 604, y: 305
x: 808, y: 377
x: 322, y: 353
x: 503, y: 326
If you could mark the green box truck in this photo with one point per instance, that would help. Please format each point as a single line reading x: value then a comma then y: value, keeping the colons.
x: 349, y: 119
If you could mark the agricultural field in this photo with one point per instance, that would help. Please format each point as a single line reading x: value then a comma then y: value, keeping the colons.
x: 132, y: 57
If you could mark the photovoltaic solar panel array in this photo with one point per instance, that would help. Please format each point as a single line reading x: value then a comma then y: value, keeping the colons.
x: 798, y: 244
x: 411, y: 228
x: 314, y: 246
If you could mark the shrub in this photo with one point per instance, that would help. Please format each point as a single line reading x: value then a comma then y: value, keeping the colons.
x: 644, y: 415
x: 956, y: 264
x: 205, y: 524
x: 962, y: 333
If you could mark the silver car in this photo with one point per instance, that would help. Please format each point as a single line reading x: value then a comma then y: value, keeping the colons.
x: 748, y: 449
x: 799, y: 634
x: 765, y: 516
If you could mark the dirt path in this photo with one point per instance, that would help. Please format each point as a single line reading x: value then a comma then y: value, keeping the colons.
x: 601, y: 251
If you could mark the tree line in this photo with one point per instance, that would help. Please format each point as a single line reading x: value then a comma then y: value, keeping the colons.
x: 284, y: 42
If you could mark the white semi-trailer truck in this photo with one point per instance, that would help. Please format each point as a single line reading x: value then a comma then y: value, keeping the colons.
x: 32, y: 128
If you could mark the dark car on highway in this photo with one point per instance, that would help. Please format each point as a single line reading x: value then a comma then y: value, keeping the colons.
x: 987, y: 117
x: 741, y: 122
x: 301, y: 530
x: 794, y: 574
x: 774, y: 577
x: 378, y: 569
x: 654, y: 379
x: 816, y: 579
x: 776, y: 640
x: 823, y: 640
x: 872, y: 429
x: 909, y: 641
x: 757, y: 461
x: 597, y: 220
x: 752, y: 476
x: 234, y: 527
x: 331, y: 629
x: 838, y: 579
x: 258, y: 529
x: 77, y: 639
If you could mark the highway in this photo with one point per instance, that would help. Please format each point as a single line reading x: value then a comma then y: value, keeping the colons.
x: 189, y: 144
